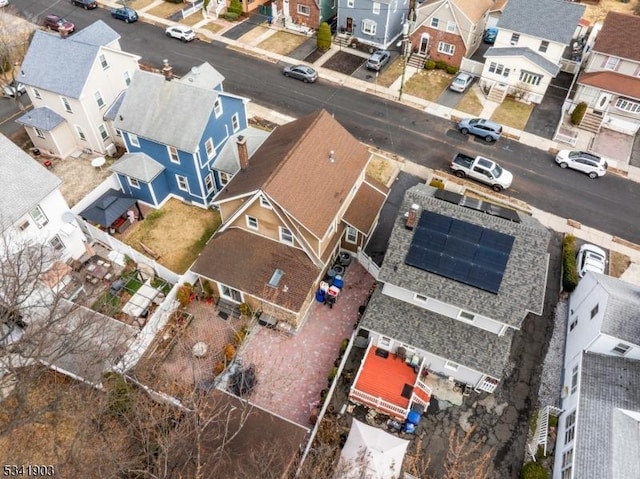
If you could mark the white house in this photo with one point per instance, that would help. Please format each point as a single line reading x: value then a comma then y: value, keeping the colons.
x: 532, y: 38
x: 453, y: 294
x: 598, y: 430
x: 71, y: 81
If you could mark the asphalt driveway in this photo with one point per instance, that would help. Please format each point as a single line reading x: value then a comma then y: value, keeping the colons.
x: 545, y: 117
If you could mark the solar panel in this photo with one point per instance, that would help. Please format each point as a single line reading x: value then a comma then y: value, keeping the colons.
x: 460, y: 250
x: 448, y: 196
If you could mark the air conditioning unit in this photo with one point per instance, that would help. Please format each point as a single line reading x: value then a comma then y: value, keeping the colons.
x: 111, y: 149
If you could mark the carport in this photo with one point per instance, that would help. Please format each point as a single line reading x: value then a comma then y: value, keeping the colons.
x: 110, y: 210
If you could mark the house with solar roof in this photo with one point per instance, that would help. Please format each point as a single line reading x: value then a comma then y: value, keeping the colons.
x: 71, y: 82
x: 599, y: 424
x: 458, y: 279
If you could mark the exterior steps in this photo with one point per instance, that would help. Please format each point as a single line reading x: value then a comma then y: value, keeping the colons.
x: 417, y: 61
x: 497, y: 93
x: 591, y: 122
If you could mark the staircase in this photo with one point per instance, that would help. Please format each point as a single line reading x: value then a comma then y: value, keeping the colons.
x: 342, y: 40
x: 497, y: 93
x: 542, y: 430
x: 591, y: 121
x: 417, y: 60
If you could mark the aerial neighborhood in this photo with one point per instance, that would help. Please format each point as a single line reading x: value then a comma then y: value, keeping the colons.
x: 421, y: 260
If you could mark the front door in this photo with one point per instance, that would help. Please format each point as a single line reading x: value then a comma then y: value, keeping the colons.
x: 603, y: 102
x: 285, y: 8
x: 349, y: 28
x: 424, y: 44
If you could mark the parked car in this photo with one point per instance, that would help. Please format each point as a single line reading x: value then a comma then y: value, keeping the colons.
x: 86, y: 4
x: 461, y: 82
x: 593, y: 165
x: 4, y: 3
x: 378, y: 60
x: 181, y: 32
x: 482, y: 169
x: 126, y: 14
x: 488, y: 130
x: 301, y: 72
x: 13, y: 89
x: 591, y: 258
x: 490, y: 35
x: 58, y: 23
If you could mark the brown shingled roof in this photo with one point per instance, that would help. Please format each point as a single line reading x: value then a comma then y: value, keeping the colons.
x: 620, y: 36
x: 293, y: 166
x: 246, y: 262
x: 364, y: 208
x: 613, y: 82
x: 473, y: 9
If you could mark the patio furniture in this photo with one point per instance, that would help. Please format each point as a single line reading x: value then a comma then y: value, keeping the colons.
x: 141, y: 300
x: 97, y: 271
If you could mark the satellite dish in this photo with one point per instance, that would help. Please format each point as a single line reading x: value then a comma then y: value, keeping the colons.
x: 68, y: 217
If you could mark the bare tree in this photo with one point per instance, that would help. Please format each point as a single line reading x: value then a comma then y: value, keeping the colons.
x: 15, y: 37
x: 465, y: 458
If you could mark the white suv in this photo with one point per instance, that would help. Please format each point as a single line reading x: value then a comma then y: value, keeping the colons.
x: 588, y: 163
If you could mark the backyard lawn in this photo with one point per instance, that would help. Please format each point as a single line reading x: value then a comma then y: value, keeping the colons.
x: 177, y: 233
x: 512, y: 113
x: 427, y: 84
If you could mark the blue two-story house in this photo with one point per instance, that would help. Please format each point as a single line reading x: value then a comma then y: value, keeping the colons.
x: 174, y: 131
x: 376, y: 23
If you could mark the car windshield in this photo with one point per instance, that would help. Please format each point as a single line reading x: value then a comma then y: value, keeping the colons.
x: 475, y: 121
x: 575, y: 154
x: 496, y: 171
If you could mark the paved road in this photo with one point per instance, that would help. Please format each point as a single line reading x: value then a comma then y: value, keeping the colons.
x: 410, y: 133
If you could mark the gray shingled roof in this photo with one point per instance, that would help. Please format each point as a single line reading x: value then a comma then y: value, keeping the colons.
x: 228, y: 160
x: 605, y: 446
x: 139, y: 166
x: 621, y: 318
x: 25, y: 183
x: 113, y: 109
x: 167, y: 112
x: 554, y: 20
x: 446, y: 337
x: 62, y: 65
x: 42, y: 118
x: 203, y: 76
x: 523, y: 285
x: 527, y: 53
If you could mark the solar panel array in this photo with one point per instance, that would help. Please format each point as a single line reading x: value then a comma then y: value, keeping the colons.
x: 460, y: 251
x: 479, y: 205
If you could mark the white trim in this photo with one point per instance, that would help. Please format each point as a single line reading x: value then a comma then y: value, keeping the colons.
x: 248, y: 219
x: 186, y: 181
x: 134, y: 140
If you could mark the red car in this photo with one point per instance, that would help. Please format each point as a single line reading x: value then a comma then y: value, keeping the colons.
x: 57, y: 23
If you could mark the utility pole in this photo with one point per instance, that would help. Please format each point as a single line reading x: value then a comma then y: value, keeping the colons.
x: 403, y: 52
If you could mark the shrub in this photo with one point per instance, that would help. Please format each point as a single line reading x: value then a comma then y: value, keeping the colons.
x: 440, y: 65
x: 452, y: 70
x: 246, y: 309
x: 235, y: 6
x: 332, y: 374
x: 231, y: 16
x: 534, y: 470
x: 229, y: 352
x: 569, y: 267
x: 240, y: 335
x: 218, y: 368
x: 324, y: 37
x: 578, y: 113
x: 430, y: 64
x: 208, y: 289
x: 185, y: 294
x: 120, y: 396
x: 343, y: 345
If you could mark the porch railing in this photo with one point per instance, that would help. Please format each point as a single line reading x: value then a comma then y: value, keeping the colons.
x: 378, y: 403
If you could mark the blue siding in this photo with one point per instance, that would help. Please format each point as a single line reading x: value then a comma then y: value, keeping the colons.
x: 158, y: 185
x: 388, y: 21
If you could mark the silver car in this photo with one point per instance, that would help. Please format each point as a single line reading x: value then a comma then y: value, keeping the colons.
x: 378, y: 60
x: 301, y: 72
x: 461, y: 82
x: 13, y: 89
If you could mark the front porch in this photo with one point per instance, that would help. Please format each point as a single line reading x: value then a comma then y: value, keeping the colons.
x: 390, y: 384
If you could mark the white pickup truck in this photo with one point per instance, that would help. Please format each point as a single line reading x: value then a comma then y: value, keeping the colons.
x: 481, y: 169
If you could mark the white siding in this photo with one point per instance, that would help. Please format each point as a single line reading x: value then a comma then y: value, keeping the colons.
x: 553, y: 53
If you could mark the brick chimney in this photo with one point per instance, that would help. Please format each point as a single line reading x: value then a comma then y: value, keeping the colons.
x: 243, y: 153
x: 167, y: 70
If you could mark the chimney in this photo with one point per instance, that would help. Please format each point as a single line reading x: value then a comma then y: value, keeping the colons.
x: 167, y: 70
x: 243, y: 153
x: 411, y: 217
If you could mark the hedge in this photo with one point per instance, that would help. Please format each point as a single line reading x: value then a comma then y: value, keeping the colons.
x: 578, y: 113
x: 569, y: 268
x: 440, y: 65
x: 323, y: 40
x: 452, y: 70
x: 430, y: 65
x: 533, y: 470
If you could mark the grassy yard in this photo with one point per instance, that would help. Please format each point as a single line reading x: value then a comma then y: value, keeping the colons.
x: 470, y: 104
x: 283, y: 43
x: 380, y: 169
x: 139, y: 4
x: 253, y: 34
x: 391, y: 73
x: 177, y: 233
x: 166, y: 9
x: 191, y: 20
x: 212, y: 27
x: 512, y: 113
x: 428, y: 85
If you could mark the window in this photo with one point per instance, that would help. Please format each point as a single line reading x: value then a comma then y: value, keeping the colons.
x: 435, y: 22
x: 499, y: 69
x: 208, y: 146
x: 24, y: 225
x: 451, y: 27
x: 628, y: 105
x: 133, y: 182
x: 514, y: 38
x: 612, y: 63
x: 530, y: 78
x: 104, y: 134
x: 235, y: 122
x: 56, y: 243
x: 66, y: 104
x: 208, y: 181
x: 466, y: 315
x: 103, y: 62
x: 446, y: 48
x: 570, y: 427
x: 594, y: 311
x: 217, y: 107
x: 81, y: 134
x: 451, y: 365
x: 567, y: 464
x: 99, y: 99
x: 133, y: 139
x: 183, y: 184
x: 544, y: 45
x: 421, y: 297
x: 621, y: 349
x: 39, y: 217
x: 39, y: 132
x: 252, y: 222
x: 352, y: 235
x: 384, y: 342
x: 286, y: 236
x: 574, y: 378
x: 369, y: 27
x: 304, y: 10
x: 173, y: 154
x: 573, y: 324
x: 224, y: 177
x: 265, y: 202
x: 127, y: 78
x: 230, y: 293
x: 376, y: 8
x: 351, y: 3
x: 36, y: 93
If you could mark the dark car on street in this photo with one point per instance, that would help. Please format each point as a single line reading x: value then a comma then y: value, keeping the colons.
x: 86, y: 4
x: 58, y: 23
x: 126, y: 14
x: 301, y: 72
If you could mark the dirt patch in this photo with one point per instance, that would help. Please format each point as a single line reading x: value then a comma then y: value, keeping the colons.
x: 427, y: 84
x: 253, y: 34
x: 391, y: 73
x: 165, y: 10
x: 470, y: 104
x: 596, y: 13
x: 314, y: 56
x: 512, y: 113
x: 618, y: 263
x: 177, y: 233
x: 380, y: 169
x: 283, y: 43
x: 344, y: 63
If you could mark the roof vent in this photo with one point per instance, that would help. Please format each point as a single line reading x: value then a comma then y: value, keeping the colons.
x: 411, y: 217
